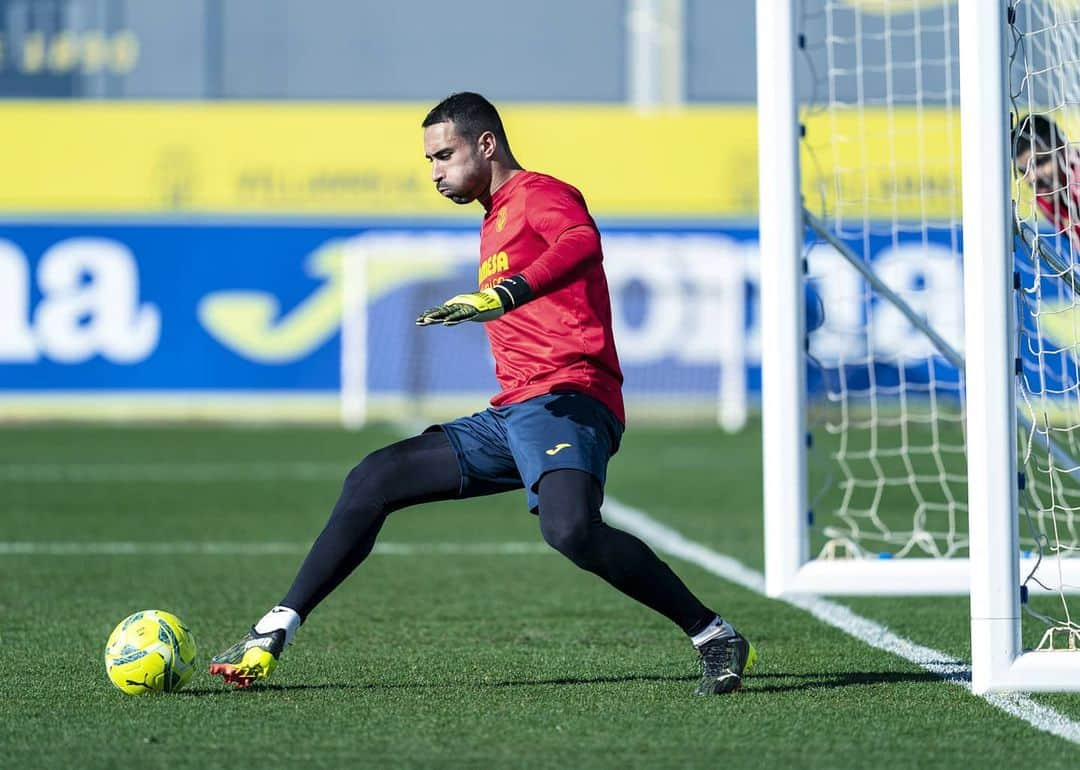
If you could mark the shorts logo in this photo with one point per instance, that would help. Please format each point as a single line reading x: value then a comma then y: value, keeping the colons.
x: 556, y: 449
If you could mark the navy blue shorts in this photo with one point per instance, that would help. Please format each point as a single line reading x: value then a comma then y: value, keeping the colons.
x: 513, y: 446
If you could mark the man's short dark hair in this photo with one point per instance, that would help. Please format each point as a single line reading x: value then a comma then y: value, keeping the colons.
x: 471, y: 115
x: 1037, y: 134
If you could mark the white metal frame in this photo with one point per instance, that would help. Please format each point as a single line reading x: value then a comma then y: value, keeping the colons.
x: 788, y: 566
x: 783, y: 374
x: 656, y: 51
x: 998, y: 661
x: 354, y: 331
x: 726, y: 278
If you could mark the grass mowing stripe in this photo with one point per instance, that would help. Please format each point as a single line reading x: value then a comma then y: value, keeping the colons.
x: 260, y: 549
x: 671, y: 542
x: 171, y: 472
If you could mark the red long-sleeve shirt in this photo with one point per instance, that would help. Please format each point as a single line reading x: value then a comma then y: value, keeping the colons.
x: 1060, y: 206
x: 539, y: 227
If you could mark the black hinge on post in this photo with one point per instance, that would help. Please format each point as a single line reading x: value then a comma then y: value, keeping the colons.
x: 1018, y: 367
x: 1021, y: 481
x: 1016, y: 280
x: 1023, y: 594
x: 802, y: 42
x: 1010, y: 15
x: 810, y: 518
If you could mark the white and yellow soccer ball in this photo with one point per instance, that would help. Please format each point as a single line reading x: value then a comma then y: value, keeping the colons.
x: 150, y: 651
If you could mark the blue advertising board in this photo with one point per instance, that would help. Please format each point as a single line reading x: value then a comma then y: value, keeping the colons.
x: 258, y: 308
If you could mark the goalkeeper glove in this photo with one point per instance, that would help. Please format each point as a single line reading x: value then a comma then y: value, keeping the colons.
x: 484, y: 305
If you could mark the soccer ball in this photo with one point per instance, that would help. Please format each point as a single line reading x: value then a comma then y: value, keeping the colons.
x: 150, y: 651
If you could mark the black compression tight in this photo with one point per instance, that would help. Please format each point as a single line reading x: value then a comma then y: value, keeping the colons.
x: 421, y: 469
x: 425, y: 469
x: 570, y: 522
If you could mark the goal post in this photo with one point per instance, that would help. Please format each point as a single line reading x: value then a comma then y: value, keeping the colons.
x: 926, y: 440
x: 1018, y: 59
x: 783, y: 335
x: 789, y: 515
x: 988, y: 302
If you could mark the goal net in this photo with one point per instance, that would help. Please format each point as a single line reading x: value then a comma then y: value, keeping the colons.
x: 1043, y: 49
x: 879, y: 137
x: 881, y: 182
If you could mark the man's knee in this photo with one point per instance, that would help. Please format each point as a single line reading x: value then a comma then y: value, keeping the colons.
x: 368, y: 472
x: 570, y: 513
x: 570, y: 537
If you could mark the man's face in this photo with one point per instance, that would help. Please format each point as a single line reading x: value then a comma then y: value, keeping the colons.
x: 460, y: 169
x: 1043, y: 171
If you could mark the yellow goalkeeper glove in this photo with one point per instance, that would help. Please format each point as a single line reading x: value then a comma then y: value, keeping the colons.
x: 483, y: 305
x: 479, y: 306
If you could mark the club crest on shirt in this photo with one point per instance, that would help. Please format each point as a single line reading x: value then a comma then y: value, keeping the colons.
x: 500, y: 220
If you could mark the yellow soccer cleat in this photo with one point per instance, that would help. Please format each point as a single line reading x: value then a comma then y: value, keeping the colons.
x: 253, y: 657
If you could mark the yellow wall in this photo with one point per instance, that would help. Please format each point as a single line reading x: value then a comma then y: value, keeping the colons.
x: 367, y: 159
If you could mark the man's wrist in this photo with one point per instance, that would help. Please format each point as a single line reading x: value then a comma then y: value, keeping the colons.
x: 513, y: 292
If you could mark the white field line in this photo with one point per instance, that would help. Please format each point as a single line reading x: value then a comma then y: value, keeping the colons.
x: 669, y: 541
x: 28, y: 548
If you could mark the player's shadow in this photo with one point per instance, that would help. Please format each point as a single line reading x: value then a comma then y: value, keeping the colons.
x: 573, y: 680
x: 768, y: 682
x: 568, y: 680
x: 199, y: 692
x: 764, y: 682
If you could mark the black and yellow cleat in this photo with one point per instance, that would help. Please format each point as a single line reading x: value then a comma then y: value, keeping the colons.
x: 253, y: 657
x: 724, y: 662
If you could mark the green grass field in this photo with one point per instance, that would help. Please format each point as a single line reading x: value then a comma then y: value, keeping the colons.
x: 439, y: 659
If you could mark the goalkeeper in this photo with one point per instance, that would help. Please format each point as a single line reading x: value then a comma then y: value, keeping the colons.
x: 551, y: 429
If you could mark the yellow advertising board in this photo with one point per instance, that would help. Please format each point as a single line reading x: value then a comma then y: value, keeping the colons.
x: 366, y: 159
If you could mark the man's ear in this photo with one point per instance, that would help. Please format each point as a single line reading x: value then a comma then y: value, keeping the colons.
x: 487, y: 144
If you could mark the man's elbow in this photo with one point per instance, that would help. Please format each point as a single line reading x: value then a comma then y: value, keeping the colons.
x: 584, y: 238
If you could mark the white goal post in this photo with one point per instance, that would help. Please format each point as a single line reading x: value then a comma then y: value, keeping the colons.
x: 999, y: 661
x: 948, y: 401
x: 789, y: 567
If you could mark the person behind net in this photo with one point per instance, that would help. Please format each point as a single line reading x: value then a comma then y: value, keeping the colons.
x: 552, y: 428
x: 1043, y: 159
